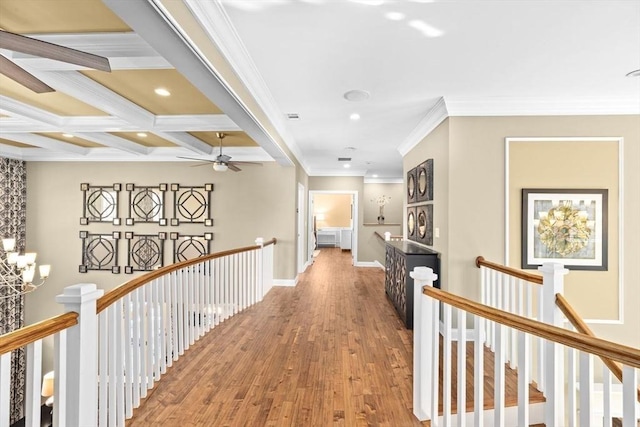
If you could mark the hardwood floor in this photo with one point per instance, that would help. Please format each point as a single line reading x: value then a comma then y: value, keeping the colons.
x: 330, y: 351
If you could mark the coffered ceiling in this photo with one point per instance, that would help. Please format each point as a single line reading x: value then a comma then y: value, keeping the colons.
x: 273, y: 74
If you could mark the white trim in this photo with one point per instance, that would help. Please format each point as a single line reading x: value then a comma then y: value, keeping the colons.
x: 620, y: 141
x: 539, y: 106
x: 369, y: 264
x: 383, y: 180
x: 436, y: 115
x: 285, y: 282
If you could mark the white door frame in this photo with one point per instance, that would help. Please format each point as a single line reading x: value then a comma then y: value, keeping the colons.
x: 354, y: 220
x: 302, y: 260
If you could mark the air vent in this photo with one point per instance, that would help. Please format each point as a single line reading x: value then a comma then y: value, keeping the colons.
x: 344, y: 159
x: 293, y: 116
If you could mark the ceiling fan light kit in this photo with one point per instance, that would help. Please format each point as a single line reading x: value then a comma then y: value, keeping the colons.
x: 220, y: 167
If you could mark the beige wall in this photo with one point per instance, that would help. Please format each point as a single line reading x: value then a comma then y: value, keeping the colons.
x: 435, y: 146
x: 476, y: 210
x: 257, y: 202
x: 335, y: 208
x: 373, y: 247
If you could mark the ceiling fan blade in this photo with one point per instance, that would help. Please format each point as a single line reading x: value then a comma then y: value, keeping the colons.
x: 199, y: 160
x: 35, y: 47
x: 22, y: 76
x: 233, y: 167
x: 247, y: 163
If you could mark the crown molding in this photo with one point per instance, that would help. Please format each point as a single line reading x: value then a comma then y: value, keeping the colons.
x: 215, y: 21
x: 542, y: 106
x: 436, y: 115
x: 383, y: 181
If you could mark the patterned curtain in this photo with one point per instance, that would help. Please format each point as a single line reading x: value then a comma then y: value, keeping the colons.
x: 13, y: 215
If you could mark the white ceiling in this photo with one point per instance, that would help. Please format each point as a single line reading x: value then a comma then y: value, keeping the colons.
x: 419, y: 60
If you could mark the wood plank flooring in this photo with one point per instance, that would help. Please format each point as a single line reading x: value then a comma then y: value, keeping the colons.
x: 329, y: 352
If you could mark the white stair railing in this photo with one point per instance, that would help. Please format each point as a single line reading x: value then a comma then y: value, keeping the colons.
x: 110, y: 351
x: 427, y: 304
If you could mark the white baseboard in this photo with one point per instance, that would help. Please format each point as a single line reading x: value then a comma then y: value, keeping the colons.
x: 285, y: 282
x: 375, y: 264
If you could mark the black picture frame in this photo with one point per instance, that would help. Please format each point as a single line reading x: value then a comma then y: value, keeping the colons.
x: 567, y: 226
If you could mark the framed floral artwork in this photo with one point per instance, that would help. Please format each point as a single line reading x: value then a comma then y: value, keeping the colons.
x: 567, y: 226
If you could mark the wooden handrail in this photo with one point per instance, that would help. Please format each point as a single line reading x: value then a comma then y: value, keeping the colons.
x: 627, y: 355
x: 529, y: 277
x: 583, y: 328
x: 115, y: 294
x: 32, y: 333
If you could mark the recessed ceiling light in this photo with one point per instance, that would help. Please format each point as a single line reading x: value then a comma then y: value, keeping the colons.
x: 355, y: 116
x: 162, y: 91
x: 346, y: 165
x: 350, y: 148
x: 375, y: 175
x: 394, y: 16
x: 425, y: 28
x: 356, y: 95
x: 141, y: 134
x: 635, y: 73
x: 67, y: 135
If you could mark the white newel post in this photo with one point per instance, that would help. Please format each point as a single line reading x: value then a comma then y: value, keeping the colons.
x: 81, y: 361
x: 422, y: 339
x: 552, y: 284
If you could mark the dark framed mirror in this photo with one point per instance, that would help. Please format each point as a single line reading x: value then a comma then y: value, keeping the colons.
x: 425, y: 224
x: 412, y: 186
x: 411, y: 223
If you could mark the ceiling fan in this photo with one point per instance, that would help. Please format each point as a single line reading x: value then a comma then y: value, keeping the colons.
x: 222, y: 161
x: 23, y: 44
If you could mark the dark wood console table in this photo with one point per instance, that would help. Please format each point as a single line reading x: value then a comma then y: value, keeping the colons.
x: 401, y: 258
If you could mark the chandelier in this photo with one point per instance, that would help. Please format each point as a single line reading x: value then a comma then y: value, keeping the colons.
x: 17, y: 272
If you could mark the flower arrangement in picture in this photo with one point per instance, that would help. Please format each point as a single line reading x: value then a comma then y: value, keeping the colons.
x: 381, y: 201
x: 564, y: 230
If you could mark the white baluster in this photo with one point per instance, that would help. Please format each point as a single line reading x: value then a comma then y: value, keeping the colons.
x: 119, y: 353
x: 446, y: 368
x: 129, y: 345
x: 5, y: 388
x: 572, y: 382
x: 513, y: 336
x: 435, y: 354
x: 163, y: 327
x: 103, y: 371
x: 586, y: 388
x: 478, y: 373
x: 139, y: 364
x: 61, y: 384
x: 499, y: 375
x: 462, y: 368
x: 34, y: 375
x: 111, y: 365
x: 524, y: 379
x: 150, y: 329
x: 175, y: 317
x: 630, y: 412
x: 606, y: 395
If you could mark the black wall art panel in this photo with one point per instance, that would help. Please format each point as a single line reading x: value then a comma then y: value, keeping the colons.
x: 192, y: 205
x: 425, y: 181
x: 425, y: 224
x: 412, y: 223
x: 189, y: 246
x: 100, y: 203
x: 412, y: 185
x: 145, y: 251
x: 100, y: 252
x: 146, y: 204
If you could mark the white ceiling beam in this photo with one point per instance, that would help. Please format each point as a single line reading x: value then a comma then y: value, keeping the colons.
x: 93, y: 93
x: 114, y: 141
x: 35, y: 115
x: 44, y: 142
x: 183, y: 139
x: 202, y: 122
x: 171, y: 41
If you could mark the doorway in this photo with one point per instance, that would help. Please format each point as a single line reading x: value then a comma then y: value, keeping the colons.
x: 327, y: 224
